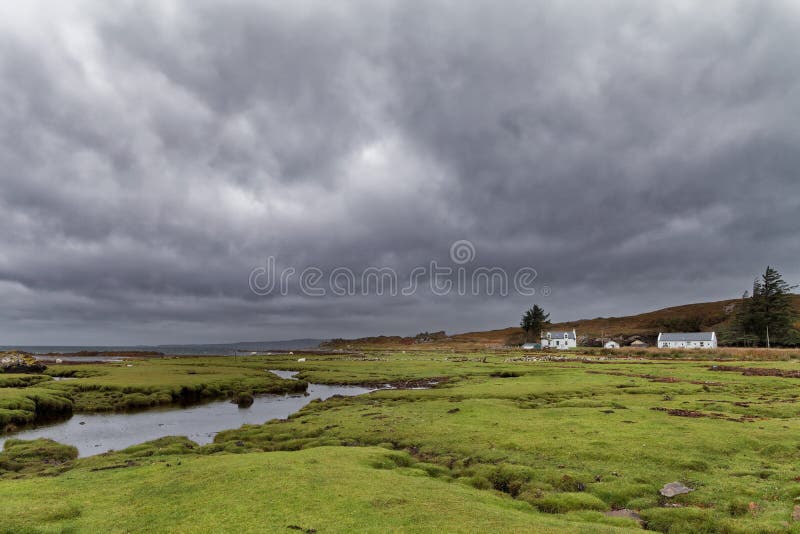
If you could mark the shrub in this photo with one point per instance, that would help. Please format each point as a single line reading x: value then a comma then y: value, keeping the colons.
x: 504, y: 477
x: 244, y: 399
x: 738, y: 508
x: 505, y: 374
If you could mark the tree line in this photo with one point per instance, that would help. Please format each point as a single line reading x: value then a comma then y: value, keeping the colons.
x: 766, y: 317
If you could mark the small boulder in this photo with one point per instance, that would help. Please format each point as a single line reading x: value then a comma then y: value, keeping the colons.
x: 796, y: 513
x: 674, y: 488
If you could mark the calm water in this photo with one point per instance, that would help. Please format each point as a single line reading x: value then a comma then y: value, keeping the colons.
x: 98, y: 433
x: 224, y: 349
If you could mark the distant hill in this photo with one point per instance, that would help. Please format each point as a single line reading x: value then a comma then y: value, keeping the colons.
x: 705, y: 316
x: 288, y: 344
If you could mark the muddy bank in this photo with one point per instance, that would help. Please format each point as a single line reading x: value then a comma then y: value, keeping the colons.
x: 655, y: 378
x: 680, y: 412
x: 418, y: 383
x: 757, y: 371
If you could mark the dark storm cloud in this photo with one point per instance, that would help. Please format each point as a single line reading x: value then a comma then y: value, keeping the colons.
x: 636, y: 154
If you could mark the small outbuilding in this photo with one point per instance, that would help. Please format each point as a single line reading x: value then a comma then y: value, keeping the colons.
x: 611, y: 345
x: 531, y: 346
x: 639, y: 344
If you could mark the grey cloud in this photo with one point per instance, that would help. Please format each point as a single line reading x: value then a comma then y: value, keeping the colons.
x: 637, y: 155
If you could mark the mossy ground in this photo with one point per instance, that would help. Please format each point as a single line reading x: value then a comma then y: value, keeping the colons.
x: 531, y: 445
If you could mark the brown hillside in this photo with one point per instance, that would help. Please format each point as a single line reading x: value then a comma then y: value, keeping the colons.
x: 703, y: 315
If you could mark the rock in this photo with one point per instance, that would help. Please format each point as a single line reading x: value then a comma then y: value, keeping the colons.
x: 20, y: 362
x: 796, y: 513
x: 674, y: 488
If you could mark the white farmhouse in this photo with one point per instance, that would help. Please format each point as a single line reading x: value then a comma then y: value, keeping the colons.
x: 687, y: 340
x: 560, y: 340
x: 611, y: 345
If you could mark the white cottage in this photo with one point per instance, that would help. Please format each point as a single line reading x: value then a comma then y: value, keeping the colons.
x: 687, y: 340
x: 560, y: 340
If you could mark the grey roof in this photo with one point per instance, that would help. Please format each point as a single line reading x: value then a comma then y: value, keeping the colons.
x: 560, y: 335
x: 686, y: 336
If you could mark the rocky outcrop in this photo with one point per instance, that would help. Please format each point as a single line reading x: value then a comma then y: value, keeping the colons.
x: 20, y: 362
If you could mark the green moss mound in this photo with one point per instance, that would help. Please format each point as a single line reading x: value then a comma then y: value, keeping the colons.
x: 39, y: 457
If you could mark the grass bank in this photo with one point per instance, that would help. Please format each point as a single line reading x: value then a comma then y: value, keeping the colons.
x: 132, y: 385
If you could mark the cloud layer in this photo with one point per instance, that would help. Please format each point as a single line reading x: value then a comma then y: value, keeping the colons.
x: 638, y: 155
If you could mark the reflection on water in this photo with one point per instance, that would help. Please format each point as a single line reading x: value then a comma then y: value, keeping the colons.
x: 288, y: 375
x: 98, y: 433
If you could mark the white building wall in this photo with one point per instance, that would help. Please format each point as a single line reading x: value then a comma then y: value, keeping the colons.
x: 689, y: 344
x: 559, y: 343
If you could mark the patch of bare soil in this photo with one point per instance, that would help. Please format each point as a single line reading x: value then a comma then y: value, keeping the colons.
x: 655, y: 378
x: 680, y: 412
x: 757, y: 371
x: 419, y: 383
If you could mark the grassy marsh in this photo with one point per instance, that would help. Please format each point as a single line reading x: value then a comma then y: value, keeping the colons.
x: 536, y: 445
x: 132, y: 385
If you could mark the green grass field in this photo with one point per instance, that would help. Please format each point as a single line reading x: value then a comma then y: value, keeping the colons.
x: 497, y: 446
x: 331, y: 489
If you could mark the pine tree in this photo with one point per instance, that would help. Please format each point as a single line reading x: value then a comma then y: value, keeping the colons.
x: 769, y: 308
x: 772, y: 310
x: 533, y: 321
x: 736, y: 332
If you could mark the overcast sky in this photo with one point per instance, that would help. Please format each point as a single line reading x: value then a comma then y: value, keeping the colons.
x: 153, y: 154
